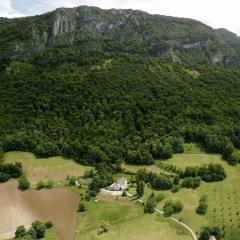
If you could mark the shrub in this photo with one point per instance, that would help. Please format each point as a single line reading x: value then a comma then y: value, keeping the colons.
x: 48, y: 224
x: 88, y: 174
x: 81, y: 207
x: 191, y: 182
x: 4, y: 177
x: 39, y: 228
x: 175, y: 189
x: 162, y: 183
x: 23, y: 183
x: 172, y: 207
x: 104, y: 227
x: 20, y: 232
x: 150, y: 205
x: 202, y: 207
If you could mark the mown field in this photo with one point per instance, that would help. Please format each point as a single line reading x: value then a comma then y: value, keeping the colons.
x: 127, y: 221
x: 54, y: 168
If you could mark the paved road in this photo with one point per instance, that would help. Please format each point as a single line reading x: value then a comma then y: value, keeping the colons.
x: 194, y: 236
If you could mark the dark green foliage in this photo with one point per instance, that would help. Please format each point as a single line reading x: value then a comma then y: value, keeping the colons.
x: 172, y: 207
x: 8, y: 171
x: 48, y: 224
x: 162, y: 183
x: 175, y: 189
x: 23, y: 183
x: 214, y: 231
x: 107, y: 100
x: 140, y: 187
x: 157, y: 181
x: 191, y: 182
x: 202, y: 206
x: 1, y: 155
x: 103, y: 177
x: 4, y: 177
x: 39, y: 228
x: 42, y: 185
x: 150, y: 205
x: 88, y: 174
x: 32, y: 233
x: 209, y: 173
x: 20, y: 232
x: 168, y: 210
x: 81, y: 207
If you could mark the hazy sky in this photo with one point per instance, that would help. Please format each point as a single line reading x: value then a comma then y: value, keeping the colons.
x: 216, y: 13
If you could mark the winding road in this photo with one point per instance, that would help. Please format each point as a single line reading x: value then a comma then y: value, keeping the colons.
x: 193, y: 234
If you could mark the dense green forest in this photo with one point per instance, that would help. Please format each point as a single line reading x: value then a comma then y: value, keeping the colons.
x: 112, y: 108
x: 92, y: 85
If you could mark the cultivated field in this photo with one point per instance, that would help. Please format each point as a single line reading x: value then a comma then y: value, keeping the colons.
x: 22, y: 208
x: 127, y: 221
x: 54, y: 168
x: 223, y: 197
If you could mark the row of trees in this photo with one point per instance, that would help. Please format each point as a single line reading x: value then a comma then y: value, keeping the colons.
x: 208, y: 173
x: 37, y: 230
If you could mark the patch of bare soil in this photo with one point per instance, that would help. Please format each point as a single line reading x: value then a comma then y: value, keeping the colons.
x: 22, y: 208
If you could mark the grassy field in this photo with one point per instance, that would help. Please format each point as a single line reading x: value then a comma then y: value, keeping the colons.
x: 223, y: 197
x: 126, y: 221
x: 54, y: 168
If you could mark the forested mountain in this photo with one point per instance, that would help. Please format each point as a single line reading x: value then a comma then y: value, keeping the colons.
x: 93, y: 85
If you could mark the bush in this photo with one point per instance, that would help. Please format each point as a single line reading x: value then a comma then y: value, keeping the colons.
x: 48, y: 224
x: 88, y: 174
x: 23, y: 183
x: 150, y: 205
x: 162, y: 183
x: 168, y: 210
x: 202, y: 207
x: 104, y: 227
x: 47, y: 185
x: 39, y: 228
x: 172, y: 207
x: 214, y: 231
x: 4, y: 177
x: 20, y: 232
x: 191, y: 182
x: 124, y: 193
x: 81, y: 207
x: 175, y: 189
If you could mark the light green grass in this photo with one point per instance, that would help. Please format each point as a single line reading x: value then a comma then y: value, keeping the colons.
x: 184, y: 160
x: 192, y: 148
x: 127, y: 221
x: 54, y: 168
x: 223, y: 197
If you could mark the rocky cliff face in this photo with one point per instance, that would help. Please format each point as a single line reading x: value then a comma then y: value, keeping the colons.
x: 90, y: 28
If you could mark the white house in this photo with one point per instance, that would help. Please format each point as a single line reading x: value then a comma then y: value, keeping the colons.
x: 119, y: 185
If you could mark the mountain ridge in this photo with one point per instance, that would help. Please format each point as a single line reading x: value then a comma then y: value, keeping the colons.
x: 181, y: 40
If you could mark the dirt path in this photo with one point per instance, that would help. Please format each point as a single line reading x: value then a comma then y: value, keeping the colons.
x: 194, y: 236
